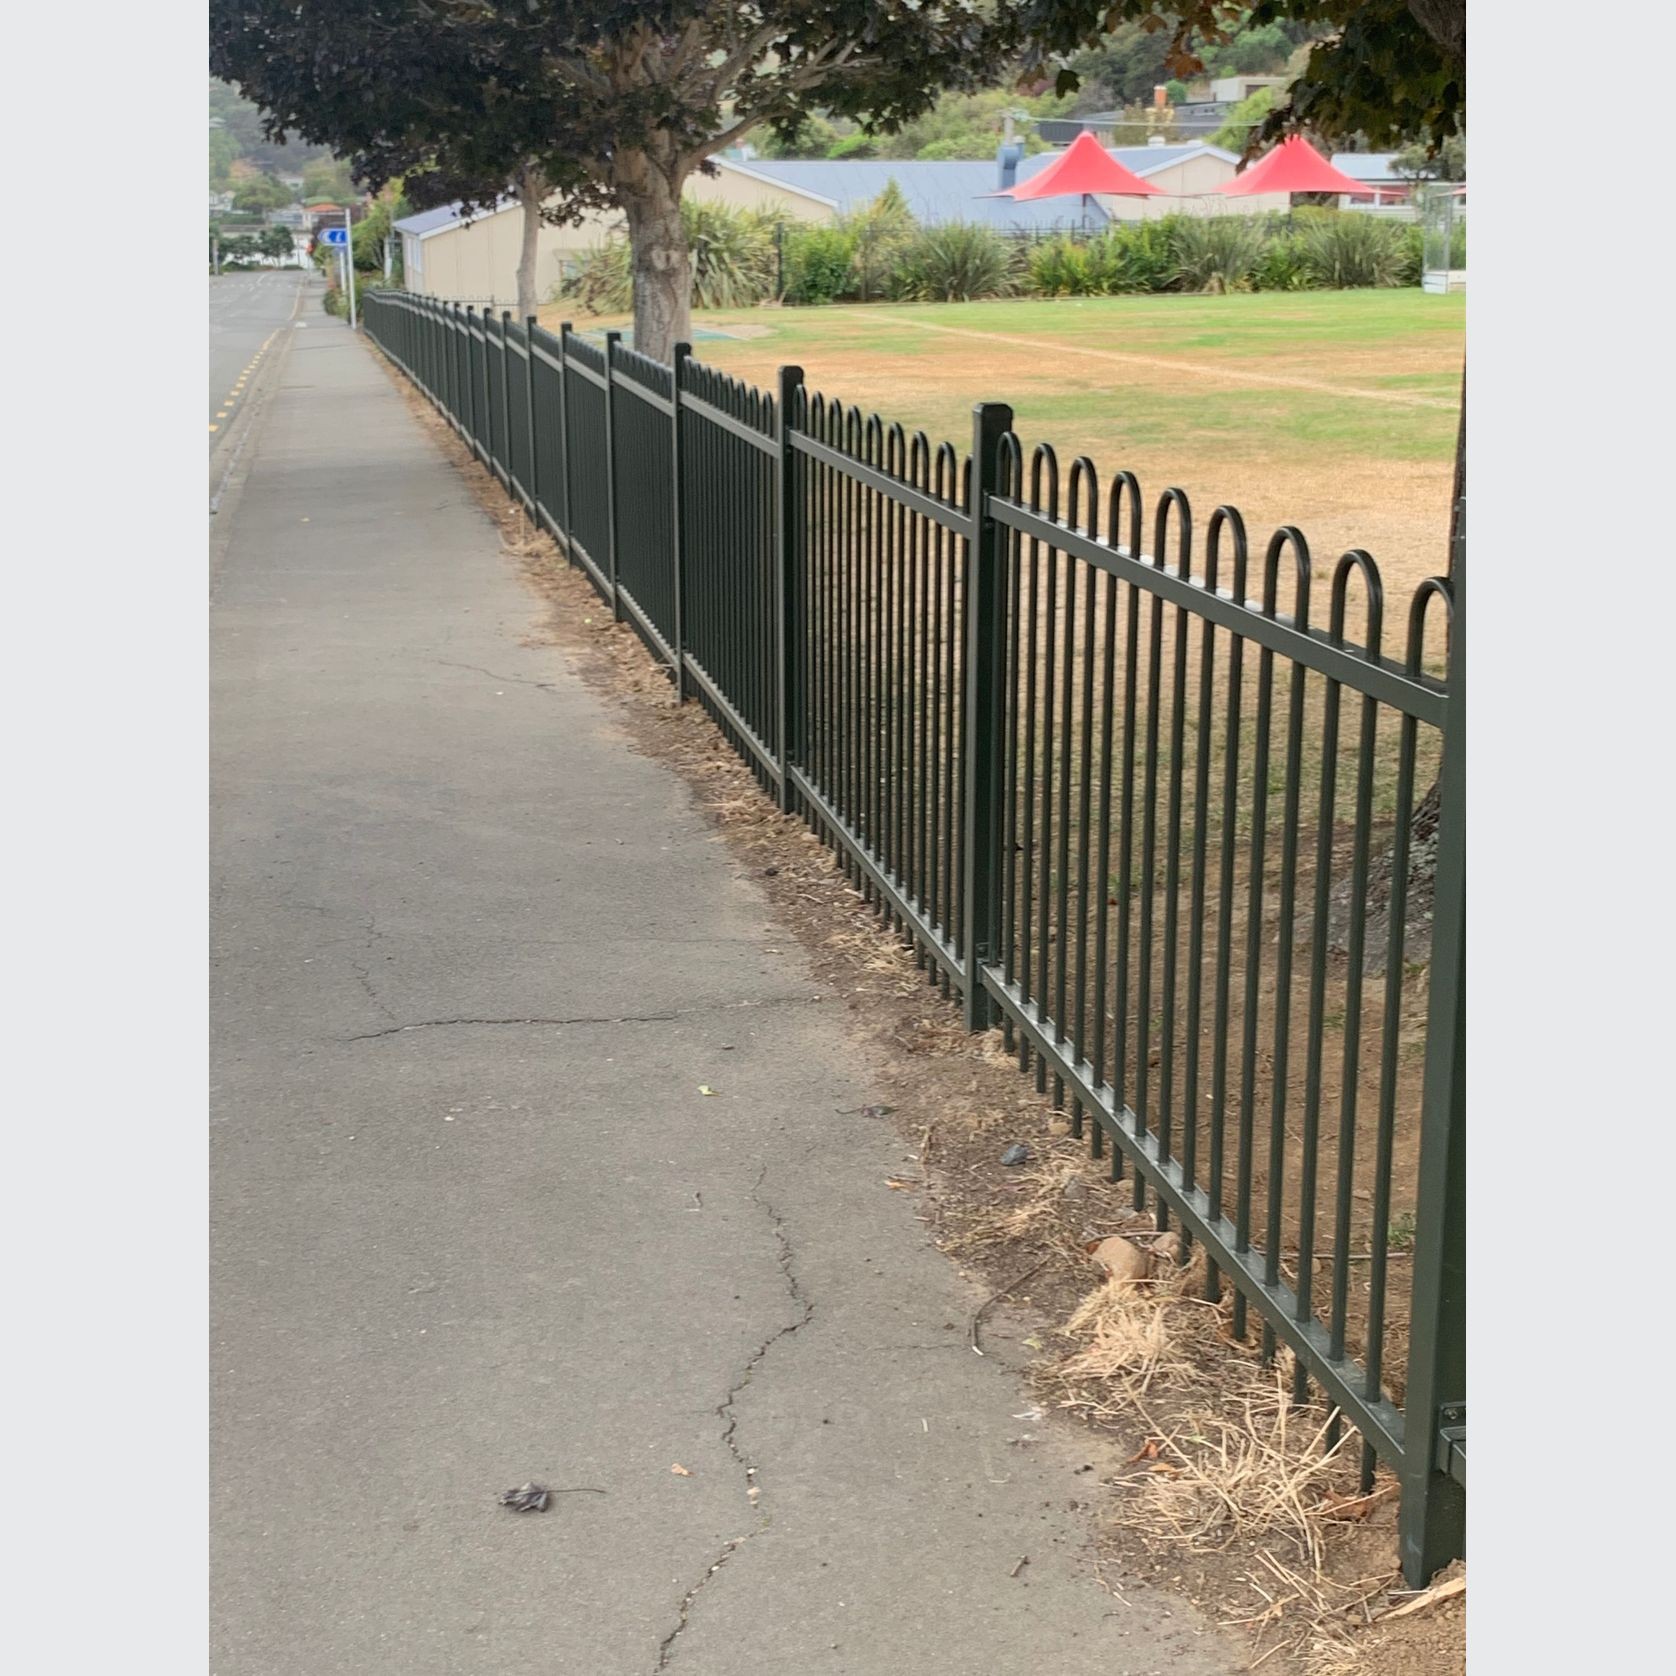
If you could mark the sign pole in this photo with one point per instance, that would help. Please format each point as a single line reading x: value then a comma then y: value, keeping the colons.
x: 349, y: 263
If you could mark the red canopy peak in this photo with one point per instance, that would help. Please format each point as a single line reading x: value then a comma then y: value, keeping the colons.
x: 1085, y: 168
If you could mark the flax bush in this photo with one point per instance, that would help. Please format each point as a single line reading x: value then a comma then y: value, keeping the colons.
x: 1346, y: 251
x: 955, y: 263
x: 1217, y: 254
x: 734, y: 262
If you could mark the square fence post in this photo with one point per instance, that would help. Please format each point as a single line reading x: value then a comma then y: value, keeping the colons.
x: 683, y: 353
x: 788, y: 557
x: 471, y: 377
x: 612, y: 339
x: 1432, y: 1520
x: 564, y: 439
x: 506, y: 395
x: 985, y: 654
x: 458, y: 344
x: 534, y: 484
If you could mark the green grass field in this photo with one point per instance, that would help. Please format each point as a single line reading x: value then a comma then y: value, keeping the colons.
x: 1334, y: 410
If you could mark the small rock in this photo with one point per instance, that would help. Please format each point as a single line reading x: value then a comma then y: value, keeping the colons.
x: 1167, y: 1248
x: 1075, y: 1191
x: 1017, y: 1153
x: 1122, y: 1259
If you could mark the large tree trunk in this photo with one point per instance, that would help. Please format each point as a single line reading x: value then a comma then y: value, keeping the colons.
x: 649, y: 189
x: 532, y: 194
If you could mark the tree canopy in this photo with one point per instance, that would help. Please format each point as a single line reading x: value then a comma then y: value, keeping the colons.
x: 1390, y: 71
x: 614, y: 102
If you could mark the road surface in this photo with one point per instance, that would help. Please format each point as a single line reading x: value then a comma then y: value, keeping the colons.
x: 535, y: 1156
x: 247, y: 312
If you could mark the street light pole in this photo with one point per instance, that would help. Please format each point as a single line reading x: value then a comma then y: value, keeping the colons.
x: 349, y: 262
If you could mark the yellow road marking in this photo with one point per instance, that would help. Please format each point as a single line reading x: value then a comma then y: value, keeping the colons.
x: 222, y: 414
x: 215, y: 427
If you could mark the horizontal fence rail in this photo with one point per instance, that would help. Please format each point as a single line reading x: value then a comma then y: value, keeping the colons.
x: 1181, y: 815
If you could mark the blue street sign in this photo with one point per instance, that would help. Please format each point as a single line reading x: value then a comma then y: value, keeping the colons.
x: 334, y: 235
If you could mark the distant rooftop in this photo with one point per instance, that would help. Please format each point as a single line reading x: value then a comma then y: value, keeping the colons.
x: 940, y: 192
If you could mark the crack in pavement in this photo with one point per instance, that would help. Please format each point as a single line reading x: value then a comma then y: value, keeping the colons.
x: 363, y: 973
x: 724, y: 1411
x: 585, y: 1018
x: 516, y: 680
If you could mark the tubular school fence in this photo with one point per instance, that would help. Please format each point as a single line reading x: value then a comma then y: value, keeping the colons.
x: 1199, y: 858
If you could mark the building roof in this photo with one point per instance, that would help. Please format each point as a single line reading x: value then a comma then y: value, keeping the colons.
x: 448, y: 215
x: 939, y: 192
x: 1374, y: 167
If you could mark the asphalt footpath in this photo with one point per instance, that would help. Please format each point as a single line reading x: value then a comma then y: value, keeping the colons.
x: 529, y: 1163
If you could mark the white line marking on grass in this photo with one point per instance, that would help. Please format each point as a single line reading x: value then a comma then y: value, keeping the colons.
x: 1200, y: 369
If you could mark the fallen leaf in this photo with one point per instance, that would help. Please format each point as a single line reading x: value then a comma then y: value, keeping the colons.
x: 680, y: 1471
x: 1148, y: 1451
x: 705, y: 1088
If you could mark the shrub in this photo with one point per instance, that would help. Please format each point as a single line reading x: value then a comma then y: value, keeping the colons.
x: 1061, y: 267
x: 954, y: 263
x: 878, y: 233
x: 1218, y: 253
x: 853, y: 145
x: 1142, y: 254
x: 734, y: 259
x: 602, y: 279
x: 336, y: 300
x: 1280, y: 264
x: 818, y: 265
x: 1411, y: 263
x: 734, y: 262
x: 1347, y: 251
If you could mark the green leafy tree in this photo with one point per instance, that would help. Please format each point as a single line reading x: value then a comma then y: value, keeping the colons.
x: 328, y: 178
x: 223, y: 154
x: 1391, y: 71
x: 612, y: 103
x: 256, y: 194
x: 1418, y: 162
x: 1244, y: 120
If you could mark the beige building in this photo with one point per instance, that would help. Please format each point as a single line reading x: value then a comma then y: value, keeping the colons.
x: 475, y: 259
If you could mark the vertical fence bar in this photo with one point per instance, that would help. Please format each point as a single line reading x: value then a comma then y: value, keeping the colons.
x: 683, y: 353
x: 506, y: 396
x: 612, y: 339
x: 564, y: 440
x: 788, y: 549
x: 985, y: 626
x: 534, y: 484
x: 471, y: 378
x: 1432, y: 1521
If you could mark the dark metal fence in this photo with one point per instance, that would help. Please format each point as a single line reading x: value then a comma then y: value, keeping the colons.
x: 1199, y: 858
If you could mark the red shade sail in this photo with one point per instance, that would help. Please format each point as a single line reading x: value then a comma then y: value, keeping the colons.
x: 1085, y: 168
x: 1293, y: 166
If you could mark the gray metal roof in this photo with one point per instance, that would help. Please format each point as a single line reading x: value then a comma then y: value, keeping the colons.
x: 434, y: 220
x: 939, y: 192
x: 1372, y: 166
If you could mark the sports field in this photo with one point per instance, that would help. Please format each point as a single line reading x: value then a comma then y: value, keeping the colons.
x: 1332, y: 410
